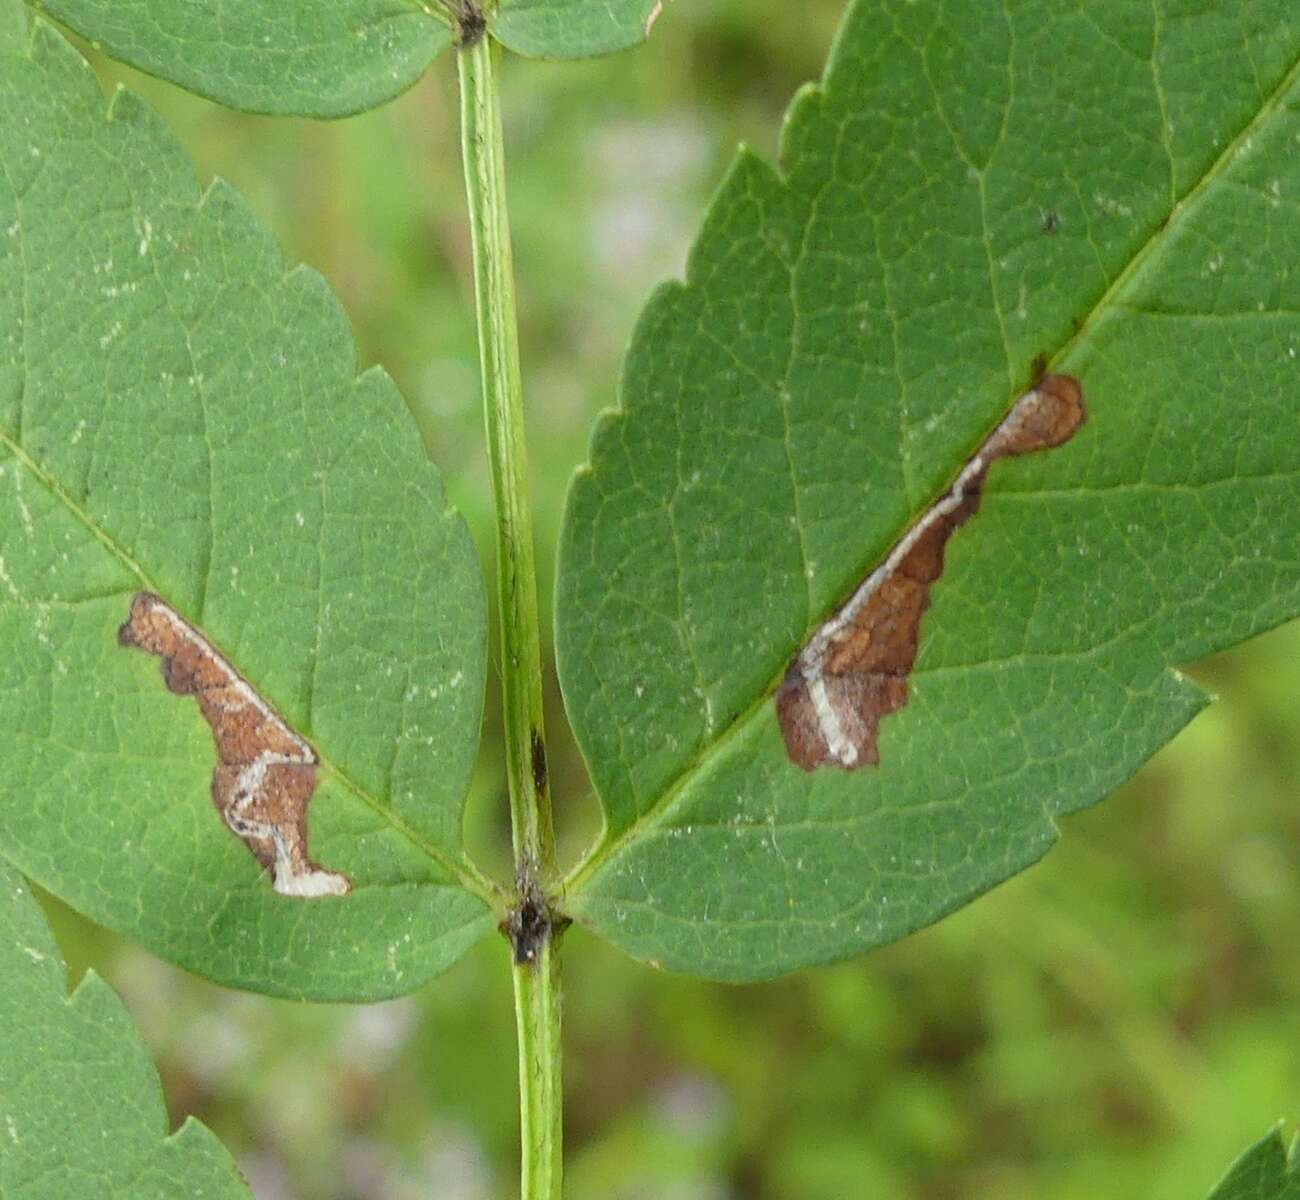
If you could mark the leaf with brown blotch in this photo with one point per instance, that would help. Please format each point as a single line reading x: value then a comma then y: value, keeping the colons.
x: 265, y: 773
x: 853, y: 671
x: 854, y: 319
x: 155, y: 353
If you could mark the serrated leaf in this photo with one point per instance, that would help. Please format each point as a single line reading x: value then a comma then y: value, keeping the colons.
x: 307, y: 58
x: 1264, y: 1172
x: 573, y: 28
x: 180, y: 413
x: 1112, y: 187
x: 81, y: 1109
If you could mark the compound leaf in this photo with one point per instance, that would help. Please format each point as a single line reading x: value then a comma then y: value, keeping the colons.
x: 1112, y: 188
x: 180, y: 414
x: 81, y: 1109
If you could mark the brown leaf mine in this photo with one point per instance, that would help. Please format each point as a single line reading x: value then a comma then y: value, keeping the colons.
x: 853, y: 671
x: 265, y: 773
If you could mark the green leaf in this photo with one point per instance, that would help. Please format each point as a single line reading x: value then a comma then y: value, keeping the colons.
x: 180, y: 412
x: 329, y: 58
x: 308, y: 58
x: 573, y: 28
x: 1264, y: 1172
x: 1113, y: 187
x: 81, y: 1109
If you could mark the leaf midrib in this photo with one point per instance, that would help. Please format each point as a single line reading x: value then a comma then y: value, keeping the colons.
x: 463, y: 871
x: 606, y: 847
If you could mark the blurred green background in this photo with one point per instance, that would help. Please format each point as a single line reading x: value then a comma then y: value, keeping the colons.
x: 1119, y: 1021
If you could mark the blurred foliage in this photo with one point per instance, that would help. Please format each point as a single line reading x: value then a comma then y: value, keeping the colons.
x: 1118, y: 1021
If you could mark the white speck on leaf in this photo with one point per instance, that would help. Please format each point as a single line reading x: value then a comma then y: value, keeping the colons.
x: 8, y: 582
x: 29, y: 526
x: 1112, y: 208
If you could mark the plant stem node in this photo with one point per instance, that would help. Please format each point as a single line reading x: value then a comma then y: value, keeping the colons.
x: 532, y: 922
x: 471, y: 22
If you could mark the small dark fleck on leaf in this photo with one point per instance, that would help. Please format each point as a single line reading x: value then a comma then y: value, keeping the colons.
x: 1051, y: 222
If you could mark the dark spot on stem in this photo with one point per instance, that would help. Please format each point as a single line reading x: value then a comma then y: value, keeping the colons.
x: 527, y: 927
x: 540, y: 777
x: 528, y: 924
x: 532, y: 922
x: 471, y: 24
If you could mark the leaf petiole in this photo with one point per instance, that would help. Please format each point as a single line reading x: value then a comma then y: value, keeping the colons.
x: 536, y: 973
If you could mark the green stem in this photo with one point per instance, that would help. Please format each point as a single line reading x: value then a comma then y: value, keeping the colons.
x: 498, y: 335
x: 536, y: 962
x: 537, y: 1019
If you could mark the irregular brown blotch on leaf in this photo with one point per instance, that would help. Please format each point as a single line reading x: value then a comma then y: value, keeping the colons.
x: 265, y: 773
x: 853, y: 671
